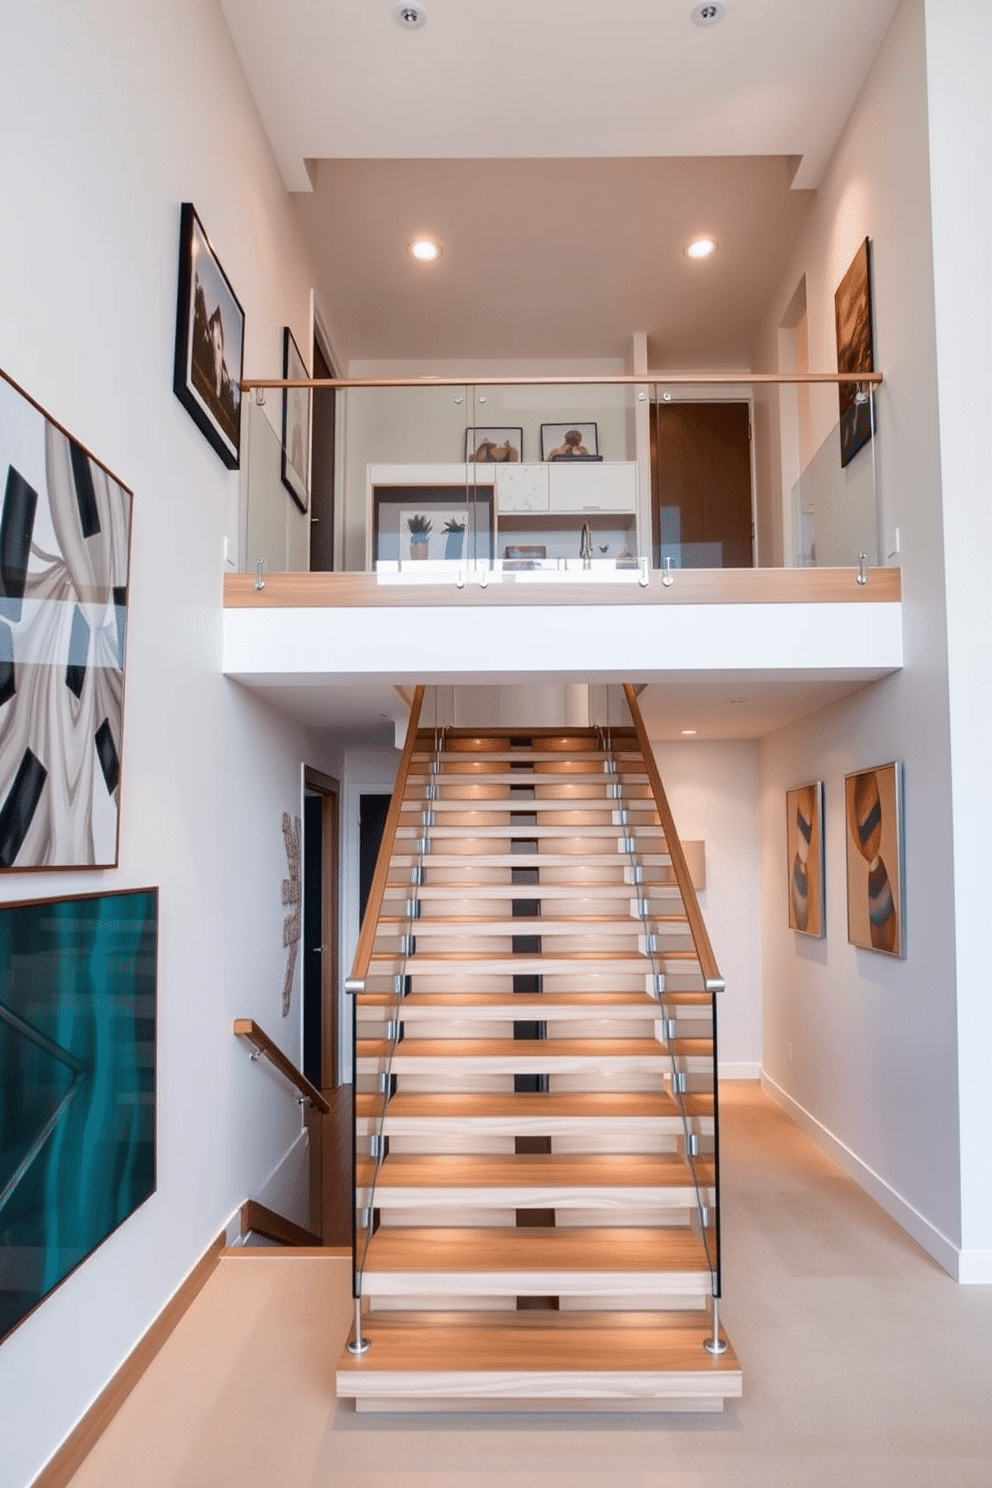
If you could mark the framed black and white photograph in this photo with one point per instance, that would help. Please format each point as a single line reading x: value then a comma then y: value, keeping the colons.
x: 855, y: 342
x: 569, y: 442
x: 65, y: 539
x: 295, y: 425
x: 494, y: 446
x: 444, y: 524
x: 210, y: 333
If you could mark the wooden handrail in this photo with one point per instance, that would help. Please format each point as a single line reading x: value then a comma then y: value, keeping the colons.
x: 366, y: 937
x: 630, y: 379
x: 707, y: 961
x: 249, y: 1029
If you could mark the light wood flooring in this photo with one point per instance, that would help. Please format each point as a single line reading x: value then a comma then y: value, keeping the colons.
x: 864, y: 1366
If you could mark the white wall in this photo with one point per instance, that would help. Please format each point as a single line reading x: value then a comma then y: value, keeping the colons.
x: 111, y: 115
x: 874, y: 1040
x: 959, y: 48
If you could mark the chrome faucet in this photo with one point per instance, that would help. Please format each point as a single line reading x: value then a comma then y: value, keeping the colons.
x: 585, y: 546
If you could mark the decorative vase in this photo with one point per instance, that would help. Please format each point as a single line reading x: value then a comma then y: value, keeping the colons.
x: 419, y: 549
x: 453, y: 544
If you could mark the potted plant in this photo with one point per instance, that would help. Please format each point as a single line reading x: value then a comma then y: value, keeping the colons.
x: 420, y: 532
x: 454, y: 537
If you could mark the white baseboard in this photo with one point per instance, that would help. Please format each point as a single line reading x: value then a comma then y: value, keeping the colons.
x: 972, y: 1267
x: 741, y: 1071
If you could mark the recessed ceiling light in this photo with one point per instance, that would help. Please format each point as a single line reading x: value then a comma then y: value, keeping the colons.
x: 688, y: 731
x: 701, y: 247
x: 412, y: 17
x: 708, y: 12
x: 424, y: 250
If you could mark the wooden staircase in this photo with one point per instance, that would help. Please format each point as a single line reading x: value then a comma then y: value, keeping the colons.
x: 536, y: 1158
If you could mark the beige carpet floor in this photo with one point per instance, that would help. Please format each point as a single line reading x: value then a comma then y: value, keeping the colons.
x: 864, y: 1364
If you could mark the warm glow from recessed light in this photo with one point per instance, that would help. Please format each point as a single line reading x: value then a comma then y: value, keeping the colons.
x: 688, y: 731
x: 425, y: 251
x: 701, y: 248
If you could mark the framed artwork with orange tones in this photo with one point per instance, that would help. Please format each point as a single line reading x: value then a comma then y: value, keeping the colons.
x: 876, y: 871
x: 804, y: 856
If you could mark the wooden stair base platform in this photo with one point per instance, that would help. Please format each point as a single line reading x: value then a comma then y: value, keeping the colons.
x: 516, y: 1361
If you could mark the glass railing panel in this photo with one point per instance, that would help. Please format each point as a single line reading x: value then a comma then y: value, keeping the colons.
x: 835, y: 505
x: 276, y: 529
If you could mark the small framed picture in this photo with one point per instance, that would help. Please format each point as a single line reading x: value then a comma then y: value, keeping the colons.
x: 569, y: 442
x: 210, y: 333
x: 804, y: 858
x: 295, y: 469
x: 855, y: 353
x: 876, y: 869
x: 414, y: 524
x: 494, y: 446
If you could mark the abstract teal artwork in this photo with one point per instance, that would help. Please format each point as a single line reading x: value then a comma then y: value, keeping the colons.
x: 77, y: 1083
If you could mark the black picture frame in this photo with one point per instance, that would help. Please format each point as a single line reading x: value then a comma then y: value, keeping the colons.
x: 295, y: 455
x: 502, y: 446
x: 210, y: 338
x: 556, y: 438
x: 855, y: 331
x: 475, y: 504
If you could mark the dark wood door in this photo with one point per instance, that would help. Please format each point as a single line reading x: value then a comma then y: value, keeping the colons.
x: 701, y: 485
x: 322, y: 470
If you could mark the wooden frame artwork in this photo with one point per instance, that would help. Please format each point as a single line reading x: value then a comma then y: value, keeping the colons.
x: 855, y: 342
x: 805, y: 858
x: 876, y: 871
x: 210, y: 335
x: 448, y: 523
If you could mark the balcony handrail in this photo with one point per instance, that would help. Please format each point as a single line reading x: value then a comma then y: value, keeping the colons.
x: 247, y: 1028
x: 712, y: 979
x: 370, y: 920
x: 605, y: 379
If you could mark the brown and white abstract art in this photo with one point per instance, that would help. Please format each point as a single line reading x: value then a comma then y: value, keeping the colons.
x: 876, y: 895
x: 804, y: 856
x: 65, y: 531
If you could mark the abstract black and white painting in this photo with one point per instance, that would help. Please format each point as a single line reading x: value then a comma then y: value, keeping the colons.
x: 65, y: 533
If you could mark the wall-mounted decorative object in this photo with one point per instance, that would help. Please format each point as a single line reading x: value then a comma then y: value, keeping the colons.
x: 77, y: 1069
x: 876, y: 873
x: 569, y: 442
x: 494, y: 446
x: 292, y: 893
x: 295, y: 425
x: 435, y: 523
x: 65, y: 535
x: 855, y: 342
x: 804, y: 858
x: 210, y: 333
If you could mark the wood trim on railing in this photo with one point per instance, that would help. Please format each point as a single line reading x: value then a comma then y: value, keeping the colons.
x: 700, y: 935
x: 249, y: 1029
x: 366, y: 937
x: 716, y: 586
x: 622, y: 379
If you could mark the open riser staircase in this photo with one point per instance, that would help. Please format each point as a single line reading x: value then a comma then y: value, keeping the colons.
x: 536, y: 1155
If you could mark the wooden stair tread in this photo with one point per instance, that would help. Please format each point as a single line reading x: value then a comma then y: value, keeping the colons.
x: 522, y: 1170
x: 608, y: 1250
x: 555, y: 1341
x: 577, y: 890
x: 536, y: 860
x: 528, y: 777
x: 522, y: 829
x: 595, y: 1104
x: 512, y: 1002
x: 460, y: 1048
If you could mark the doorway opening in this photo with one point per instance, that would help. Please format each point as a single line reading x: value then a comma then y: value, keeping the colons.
x: 322, y: 467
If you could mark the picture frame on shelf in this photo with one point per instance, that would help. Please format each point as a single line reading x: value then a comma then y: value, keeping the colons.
x: 440, y: 524
x: 494, y: 446
x: 296, y: 402
x: 876, y: 866
x: 855, y: 353
x: 66, y: 540
x: 805, y: 858
x: 573, y: 441
x: 210, y: 334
